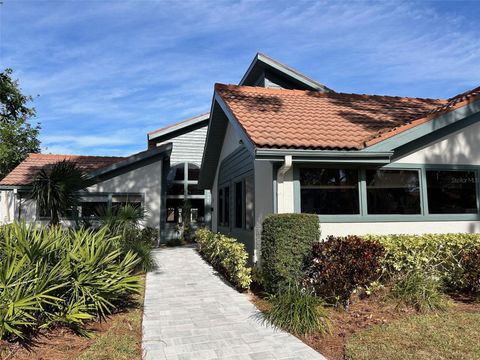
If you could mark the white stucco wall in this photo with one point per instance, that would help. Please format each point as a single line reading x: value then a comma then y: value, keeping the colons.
x: 7, y: 206
x: 231, y: 142
x: 461, y: 147
x: 285, y: 192
x: 146, y: 180
x: 413, y: 227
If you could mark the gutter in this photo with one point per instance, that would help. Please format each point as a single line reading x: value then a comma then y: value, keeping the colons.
x: 287, y: 165
x: 324, y: 156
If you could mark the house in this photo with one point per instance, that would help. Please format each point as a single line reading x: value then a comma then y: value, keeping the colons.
x: 281, y: 142
x: 363, y: 163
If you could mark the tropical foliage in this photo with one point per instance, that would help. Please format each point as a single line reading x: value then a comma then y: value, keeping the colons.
x: 54, y: 275
x: 127, y: 223
x: 55, y: 189
x: 227, y: 255
x: 298, y: 310
x: 17, y: 136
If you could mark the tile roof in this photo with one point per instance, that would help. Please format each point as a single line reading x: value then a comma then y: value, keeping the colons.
x: 449, y: 105
x: 24, y: 173
x: 278, y: 118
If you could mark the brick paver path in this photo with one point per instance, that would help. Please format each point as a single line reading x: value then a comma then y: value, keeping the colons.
x: 190, y: 313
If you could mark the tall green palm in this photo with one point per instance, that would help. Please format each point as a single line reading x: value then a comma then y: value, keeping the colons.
x: 56, y: 187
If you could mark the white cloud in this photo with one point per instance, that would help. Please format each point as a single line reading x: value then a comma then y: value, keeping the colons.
x: 104, y: 66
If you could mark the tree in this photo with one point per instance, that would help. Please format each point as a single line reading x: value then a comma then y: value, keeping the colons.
x: 55, y: 189
x: 17, y: 136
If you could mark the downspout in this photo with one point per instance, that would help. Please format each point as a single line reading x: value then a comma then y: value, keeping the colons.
x: 286, y: 166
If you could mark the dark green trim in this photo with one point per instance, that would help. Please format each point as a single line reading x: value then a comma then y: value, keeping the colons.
x: 325, y: 156
x: 469, y: 113
x: 423, y: 217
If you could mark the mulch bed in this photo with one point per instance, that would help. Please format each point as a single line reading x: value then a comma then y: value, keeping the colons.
x: 361, y: 314
x: 56, y: 344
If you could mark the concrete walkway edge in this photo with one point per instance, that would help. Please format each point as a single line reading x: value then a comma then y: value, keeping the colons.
x: 191, y: 313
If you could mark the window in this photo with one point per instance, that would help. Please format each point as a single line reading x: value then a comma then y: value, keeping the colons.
x: 249, y: 203
x: 182, y: 187
x: 224, y: 206
x: 94, y: 209
x: 451, y: 192
x: 123, y: 200
x: 220, y: 206
x: 239, y: 204
x: 329, y: 191
x: 393, y: 192
x: 193, y: 172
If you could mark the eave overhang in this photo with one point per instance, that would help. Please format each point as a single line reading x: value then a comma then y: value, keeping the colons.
x: 324, y: 156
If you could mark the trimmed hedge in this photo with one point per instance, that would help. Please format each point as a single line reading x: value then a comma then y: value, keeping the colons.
x: 287, y: 240
x: 227, y: 255
x: 471, y: 270
x: 441, y: 253
x: 341, y: 264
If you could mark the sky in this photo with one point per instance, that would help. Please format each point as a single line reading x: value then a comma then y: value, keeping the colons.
x: 103, y: 73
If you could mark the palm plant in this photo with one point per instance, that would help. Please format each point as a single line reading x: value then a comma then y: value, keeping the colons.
x: 56, y: 187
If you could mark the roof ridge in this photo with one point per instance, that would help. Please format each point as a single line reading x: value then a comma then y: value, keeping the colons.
x: 318, y: 94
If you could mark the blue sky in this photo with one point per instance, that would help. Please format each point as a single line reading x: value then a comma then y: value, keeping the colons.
x: 107, y: 72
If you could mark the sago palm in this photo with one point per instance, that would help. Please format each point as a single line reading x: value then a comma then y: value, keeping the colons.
x: 55, y: 188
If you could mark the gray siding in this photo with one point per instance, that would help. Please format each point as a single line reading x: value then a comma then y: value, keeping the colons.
x: 237, y: 164
x: 188, y: 147
x: 235, y: 167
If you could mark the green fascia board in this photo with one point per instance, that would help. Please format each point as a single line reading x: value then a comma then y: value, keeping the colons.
x: 325, y: 156
x: 263, y: 61
x: 452, y: 117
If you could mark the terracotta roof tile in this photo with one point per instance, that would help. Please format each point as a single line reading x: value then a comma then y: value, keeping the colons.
x: 24, y: 173
x: 310, y: 120
x: 449, y: 105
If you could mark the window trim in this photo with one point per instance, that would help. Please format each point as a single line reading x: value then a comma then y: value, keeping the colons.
x: 240, y: 182
x: 364, y: 217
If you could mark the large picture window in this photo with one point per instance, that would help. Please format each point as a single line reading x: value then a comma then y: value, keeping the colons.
x: 451, y: 192
x: 329, y: 191
x: 393, y: 192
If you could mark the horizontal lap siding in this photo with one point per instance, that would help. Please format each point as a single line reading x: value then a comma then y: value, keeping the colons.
x: 188, y: 147
x: 234, y: 167
x: 237, y: 164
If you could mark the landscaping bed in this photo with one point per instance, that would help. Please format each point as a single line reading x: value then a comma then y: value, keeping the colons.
x: 374, y: 325
x: 118, y: 337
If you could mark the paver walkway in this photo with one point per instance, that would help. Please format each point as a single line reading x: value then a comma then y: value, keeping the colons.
x: 190, y: 313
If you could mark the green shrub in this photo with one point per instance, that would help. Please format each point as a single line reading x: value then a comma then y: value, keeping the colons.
x: 287, y: 240
x: 420, y: 290
x: 471, y: 270
x: 227, y: 255
x: 339, y: 265
x: 54, y: 275
x: 298, y: 311
x: 441, y: 253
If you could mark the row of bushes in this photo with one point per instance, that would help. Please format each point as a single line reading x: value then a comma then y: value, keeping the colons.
x: 227, y: 255
x: 334, y: 268
x: 60, y: 276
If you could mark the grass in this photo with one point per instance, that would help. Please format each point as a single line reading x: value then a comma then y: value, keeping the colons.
x: 122, y: 340
x: 450, y: 335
